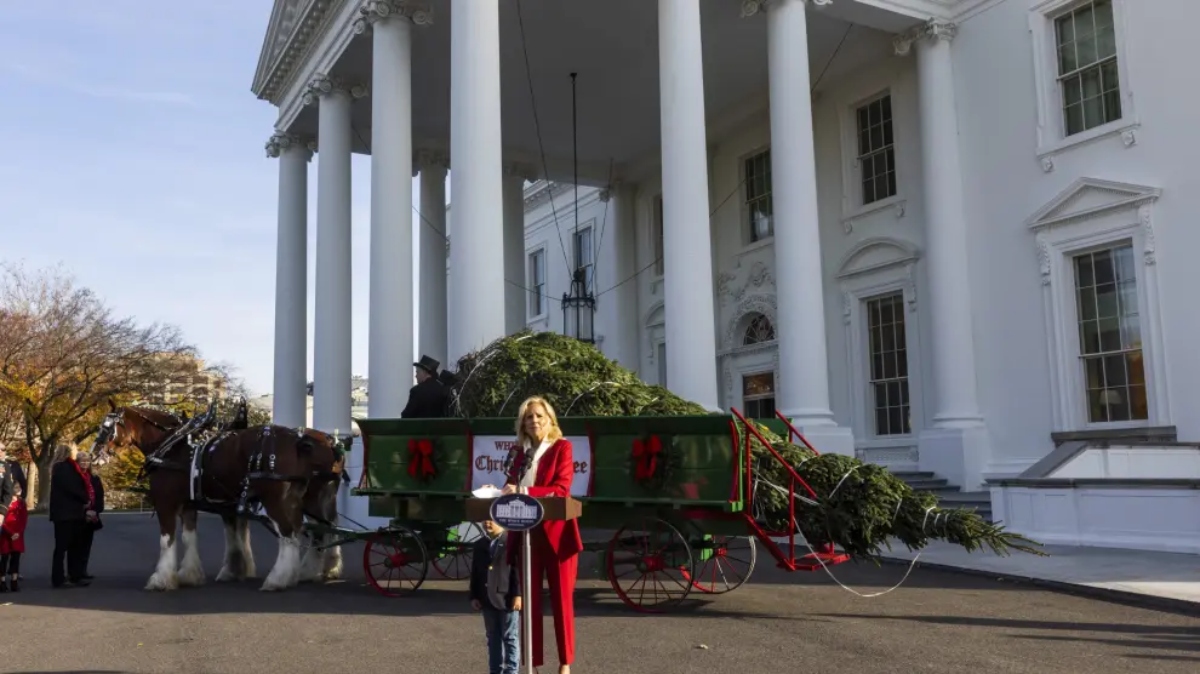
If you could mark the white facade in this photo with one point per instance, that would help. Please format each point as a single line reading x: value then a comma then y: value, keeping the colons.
x: 987, y: 200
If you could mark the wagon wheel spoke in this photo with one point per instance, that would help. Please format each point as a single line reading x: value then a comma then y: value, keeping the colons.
x: 725, y: 564
x: 395, y: 562
x: 453, y: 560
x: 649, y: 565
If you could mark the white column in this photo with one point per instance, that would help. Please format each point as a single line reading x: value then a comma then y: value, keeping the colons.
x: 331, y: 333
x: 688, y: 288
x: 431, y: 237
x: 476, y: 307
x: 617, y: 311
x: 514, y: 248
x: 958, y: 444
x: 390, y: 314
x: 291, y: 280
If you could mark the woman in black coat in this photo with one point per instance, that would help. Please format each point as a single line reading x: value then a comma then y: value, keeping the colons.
x: 85, y: 462
x: 71, y: 510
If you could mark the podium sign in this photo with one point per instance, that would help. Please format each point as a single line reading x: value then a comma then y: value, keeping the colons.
x: 517, y: 512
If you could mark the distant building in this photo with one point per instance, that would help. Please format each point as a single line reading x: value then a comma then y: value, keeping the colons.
x: 359, y: 397
x: 187, y: 378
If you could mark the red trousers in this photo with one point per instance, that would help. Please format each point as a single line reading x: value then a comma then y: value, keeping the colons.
x: 560, y: 576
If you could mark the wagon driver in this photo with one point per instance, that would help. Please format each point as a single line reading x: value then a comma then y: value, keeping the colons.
x: 555, y: 544
x: 426, y: 400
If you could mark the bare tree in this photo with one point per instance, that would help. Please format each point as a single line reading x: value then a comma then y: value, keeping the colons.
x: 70, y: 359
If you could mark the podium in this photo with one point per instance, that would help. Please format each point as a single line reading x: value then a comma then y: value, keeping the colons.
x: 553, y: 508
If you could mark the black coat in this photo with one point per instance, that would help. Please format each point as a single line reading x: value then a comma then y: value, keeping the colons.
x: 481, y: 559
x: 68, y: 494
x: 98, y: 489
x: 18, y: 476
x: 7, y: 489
x: 427, y: 400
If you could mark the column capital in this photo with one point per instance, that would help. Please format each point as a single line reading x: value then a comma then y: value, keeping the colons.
x: 325, y: 85
x: 430, y: 158
x: 375, y: 11
x: 752, y: 7
x: 931, y: 30
x: 279, y: 143
x: 516, y: 169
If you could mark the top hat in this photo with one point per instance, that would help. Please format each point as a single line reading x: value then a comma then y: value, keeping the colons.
x: 447, y: 378
x: 429, y: 365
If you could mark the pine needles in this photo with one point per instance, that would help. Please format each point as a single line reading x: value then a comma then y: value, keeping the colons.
x: 860, y: 505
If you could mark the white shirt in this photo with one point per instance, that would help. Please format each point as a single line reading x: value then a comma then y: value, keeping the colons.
x: 531, y: 474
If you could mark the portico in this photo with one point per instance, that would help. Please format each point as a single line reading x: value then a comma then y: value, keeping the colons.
x: 481, y: 89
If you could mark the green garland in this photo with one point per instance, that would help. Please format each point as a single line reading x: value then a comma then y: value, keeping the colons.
x: 860, y: 505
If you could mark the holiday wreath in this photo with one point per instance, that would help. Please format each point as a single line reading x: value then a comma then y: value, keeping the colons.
x: 860, y: 506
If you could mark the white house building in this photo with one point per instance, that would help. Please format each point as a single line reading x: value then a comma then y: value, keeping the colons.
x: 950, y: 236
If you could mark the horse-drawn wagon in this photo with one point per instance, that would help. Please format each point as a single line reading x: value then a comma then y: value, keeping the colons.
x: 675, y: 491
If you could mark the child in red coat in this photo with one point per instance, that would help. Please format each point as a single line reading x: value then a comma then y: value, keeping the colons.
x: 12, y: 544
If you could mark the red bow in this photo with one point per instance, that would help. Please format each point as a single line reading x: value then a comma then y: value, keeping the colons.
x: 420, y: 459
x: 646, y: 452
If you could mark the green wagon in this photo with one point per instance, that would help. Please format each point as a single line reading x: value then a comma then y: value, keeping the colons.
x: 676, y: 491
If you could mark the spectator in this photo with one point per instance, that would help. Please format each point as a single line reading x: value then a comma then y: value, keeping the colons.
x: 85, y: 462
x: 14, y: 470
x: 12, y: 542
x: 494, y: 591
x: 71, y: 508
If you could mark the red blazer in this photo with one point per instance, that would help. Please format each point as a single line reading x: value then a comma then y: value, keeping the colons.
x: 555, y: 473
x: 14, y: 523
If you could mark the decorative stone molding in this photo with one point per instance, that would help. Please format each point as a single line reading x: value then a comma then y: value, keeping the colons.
x: 326, y: 85
x: 752, y: 7
x: 930, y: 30
x: 516, y: 169
x: 295, y: 26
x: 430, y: 158
x: 755, y: 304
x: 1129, y: 137
x: 1088, y: 214
x: 544, y: 191
x: 279, y: 143
x: 375, y: 11
x: 1047, y: 164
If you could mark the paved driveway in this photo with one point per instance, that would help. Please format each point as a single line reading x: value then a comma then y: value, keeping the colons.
x: 794, y: 623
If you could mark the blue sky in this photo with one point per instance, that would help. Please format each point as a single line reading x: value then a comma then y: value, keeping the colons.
x: 133, y: 156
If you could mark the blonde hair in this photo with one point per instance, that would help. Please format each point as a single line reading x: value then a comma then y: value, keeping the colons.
x: 552, y: 434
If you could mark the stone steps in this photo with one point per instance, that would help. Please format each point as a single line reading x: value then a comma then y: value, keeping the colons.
x: 949, y: 494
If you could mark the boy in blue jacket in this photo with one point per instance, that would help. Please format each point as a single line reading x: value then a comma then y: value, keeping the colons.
x: 495, y: 592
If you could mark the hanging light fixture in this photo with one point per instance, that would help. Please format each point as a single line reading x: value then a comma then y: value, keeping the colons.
x: 579, y: 306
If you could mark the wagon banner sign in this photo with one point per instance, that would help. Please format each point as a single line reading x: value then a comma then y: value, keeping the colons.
x: 489, y: 452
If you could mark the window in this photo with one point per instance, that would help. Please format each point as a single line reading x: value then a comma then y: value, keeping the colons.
x: 1110, y: 335
x: 758, y: 395
x: 662, y: 364
x: 758, y: 330
x: 1086, y: 43
x: 888, y: 357
x: 584, y: 254
x: 537, y: 283
x: 876, y: 153
x: 657, y: 233
x: 758, y: 196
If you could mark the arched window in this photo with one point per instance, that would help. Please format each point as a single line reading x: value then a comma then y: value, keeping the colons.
x: 758, y: 330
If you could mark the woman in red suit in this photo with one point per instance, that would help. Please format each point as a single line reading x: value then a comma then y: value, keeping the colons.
x: 555, y: 545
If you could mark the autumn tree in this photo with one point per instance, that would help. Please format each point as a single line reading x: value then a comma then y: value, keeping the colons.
x: 67, y: 356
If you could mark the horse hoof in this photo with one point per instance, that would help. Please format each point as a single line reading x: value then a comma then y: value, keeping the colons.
x: 192, y: 578
x: 226, y: 576
x: 162, y: 584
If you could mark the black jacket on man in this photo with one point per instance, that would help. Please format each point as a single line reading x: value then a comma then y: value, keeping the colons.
x: 427, y: 400
x: 68, y: 494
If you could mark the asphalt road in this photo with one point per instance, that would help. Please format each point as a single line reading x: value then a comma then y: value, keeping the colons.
x: 796, y: 623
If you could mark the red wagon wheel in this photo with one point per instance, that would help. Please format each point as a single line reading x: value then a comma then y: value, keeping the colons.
x: 454, y: 560
x: 726, y: 562
x: 395, y: 562
x: 649, y: 565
